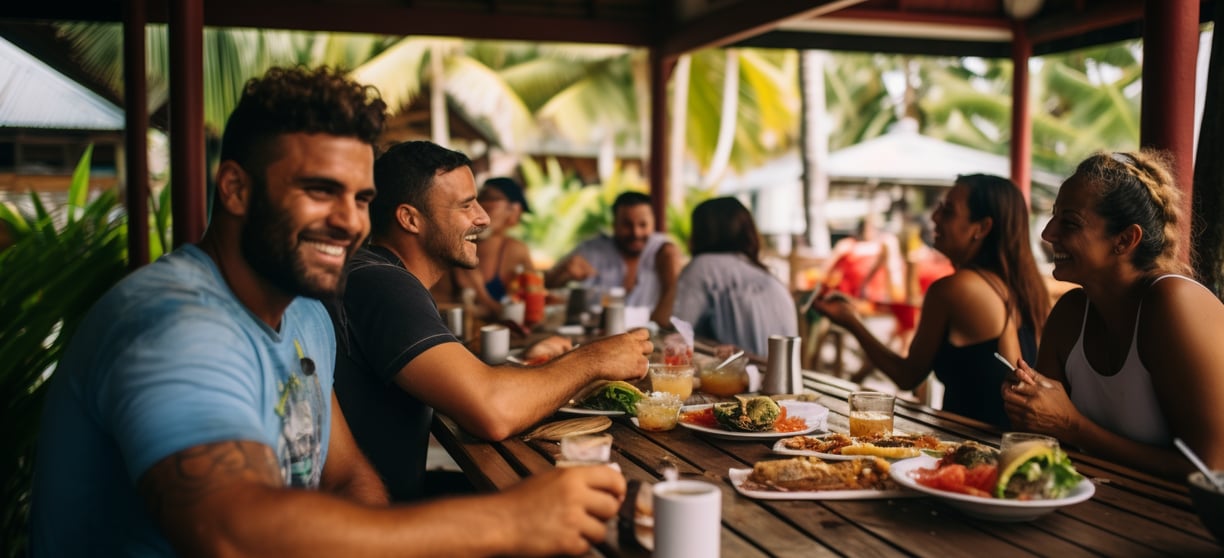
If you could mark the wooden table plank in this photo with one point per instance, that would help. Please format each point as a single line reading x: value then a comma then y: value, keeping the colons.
x: 1132, y: 513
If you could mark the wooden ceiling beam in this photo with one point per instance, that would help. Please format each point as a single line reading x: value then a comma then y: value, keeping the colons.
x: 1081, y: 22
x: 742, y: 20
x: 390, y: 19
x: 393, y: 20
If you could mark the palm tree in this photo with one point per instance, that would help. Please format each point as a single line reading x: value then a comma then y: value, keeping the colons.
x: 233, y: 57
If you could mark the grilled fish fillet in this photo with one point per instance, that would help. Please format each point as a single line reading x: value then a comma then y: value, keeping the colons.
x: 810, y: 473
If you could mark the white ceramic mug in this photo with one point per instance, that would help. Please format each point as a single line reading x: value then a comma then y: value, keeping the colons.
x: 687, y: 519
x: 494, y: 344
x: 514, y: 311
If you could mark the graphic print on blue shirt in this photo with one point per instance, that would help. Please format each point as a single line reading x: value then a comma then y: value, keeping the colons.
x: 301, y: 408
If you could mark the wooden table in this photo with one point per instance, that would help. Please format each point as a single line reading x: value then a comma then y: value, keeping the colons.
x: 1131, y: 514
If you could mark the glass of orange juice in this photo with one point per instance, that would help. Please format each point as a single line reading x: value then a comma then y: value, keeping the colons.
x: 871, y: 413
x: 672, y: 378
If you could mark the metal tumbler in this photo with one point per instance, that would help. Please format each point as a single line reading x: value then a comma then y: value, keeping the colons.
x: 783, y: 371
x: 614, y: 319
x: 454, y: 322
x: 575, y: 305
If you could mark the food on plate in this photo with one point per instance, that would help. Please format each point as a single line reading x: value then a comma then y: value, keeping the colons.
x: 1027, y: 471
x: 888, y: 446
x: 708, y: 417
x: 748, y: 414
x: 1035, y: 471
x: 971, y: 469
x: 700, y: 417
x: 811, y: 473
x: 610, y: 396
x: 971, y: 454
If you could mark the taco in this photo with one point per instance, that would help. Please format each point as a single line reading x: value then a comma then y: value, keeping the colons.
x: 1035, y: 471
x: 610, y: 396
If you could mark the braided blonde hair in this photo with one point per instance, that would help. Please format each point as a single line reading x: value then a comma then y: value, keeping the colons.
x: 1136, y: 188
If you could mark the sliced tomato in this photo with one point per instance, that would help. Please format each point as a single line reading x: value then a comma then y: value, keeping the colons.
x: 951, y: 477
x: 925, y: 477
x: 982, y: 477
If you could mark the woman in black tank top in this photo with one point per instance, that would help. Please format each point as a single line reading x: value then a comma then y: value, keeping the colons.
x: 995, y: 301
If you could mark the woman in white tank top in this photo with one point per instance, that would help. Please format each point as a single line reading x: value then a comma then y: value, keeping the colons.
x: 1134, y: 358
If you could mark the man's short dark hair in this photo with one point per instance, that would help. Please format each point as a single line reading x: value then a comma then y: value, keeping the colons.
x: 297, y: 100
x: 404, y: 174
x: 629, y: 199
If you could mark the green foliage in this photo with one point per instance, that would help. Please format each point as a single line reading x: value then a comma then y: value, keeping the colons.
x: 566, y: 211
x: 55, y: 270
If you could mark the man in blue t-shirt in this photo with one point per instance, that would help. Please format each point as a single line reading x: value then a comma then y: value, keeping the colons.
x: 193, y: 410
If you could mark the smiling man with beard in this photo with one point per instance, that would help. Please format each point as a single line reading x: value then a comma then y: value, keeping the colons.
x: 398, y: 360
x: 636, y: 257
x: 192, y: 412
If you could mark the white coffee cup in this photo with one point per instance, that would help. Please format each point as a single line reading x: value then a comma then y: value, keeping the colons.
x: 687, y: 519
x: 514, y: 311
x: 494, y: 344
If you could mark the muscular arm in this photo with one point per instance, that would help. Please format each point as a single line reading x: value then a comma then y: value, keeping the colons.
x: 667, y: 265
x: 496, y: 402
x: 347, y: 472
x: 226, y: 499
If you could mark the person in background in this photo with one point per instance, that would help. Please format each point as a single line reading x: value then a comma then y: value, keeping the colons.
x: 644, y: 262
x: 866, y: 268
x: 995, y: 301
x: 1133, y: 357
x: 192, y: 413
x: 501, y: 256
x: 725, y: 291
x: 398, y: 361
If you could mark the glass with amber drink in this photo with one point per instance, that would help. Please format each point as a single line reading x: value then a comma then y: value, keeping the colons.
x: 731, y: 379
x: 871, y: 413
x: 676, y: 379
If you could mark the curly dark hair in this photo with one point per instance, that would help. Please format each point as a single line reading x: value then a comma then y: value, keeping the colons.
x: 404, y: 174
x: 299, y: 99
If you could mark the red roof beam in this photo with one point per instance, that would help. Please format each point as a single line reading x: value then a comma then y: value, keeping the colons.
x: 742, y: 20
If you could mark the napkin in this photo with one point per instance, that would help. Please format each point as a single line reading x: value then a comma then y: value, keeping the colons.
x: 685, y: 330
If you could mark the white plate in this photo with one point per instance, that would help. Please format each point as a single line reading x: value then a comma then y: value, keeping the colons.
x: 581, y: 411
x: 779, y: 448
x: 738, y: 476
x: 814, y: 414
x: 991, y: 509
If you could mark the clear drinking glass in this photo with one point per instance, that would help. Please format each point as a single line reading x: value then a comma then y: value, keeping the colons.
x: 1013, y: 440
x: 676, y: 379
x: 871, y: 413
x: 585, y: 449
x: 659, y: 411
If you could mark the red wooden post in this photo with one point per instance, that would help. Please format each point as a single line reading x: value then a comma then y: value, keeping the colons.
x: 136, y: 129
x: 187, y: 119
x: 1170, y: 54
x: 1021, y: 150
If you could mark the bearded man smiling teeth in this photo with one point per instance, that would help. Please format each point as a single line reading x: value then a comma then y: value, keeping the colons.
x: 329, y: 249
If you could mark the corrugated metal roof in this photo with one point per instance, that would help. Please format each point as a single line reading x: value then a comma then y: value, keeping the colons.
x: 32, y: 95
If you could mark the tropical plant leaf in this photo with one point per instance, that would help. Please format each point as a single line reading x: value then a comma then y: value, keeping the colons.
x: 78, y: 189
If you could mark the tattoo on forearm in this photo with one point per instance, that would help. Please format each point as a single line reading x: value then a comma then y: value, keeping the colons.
x: 184, y: 479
